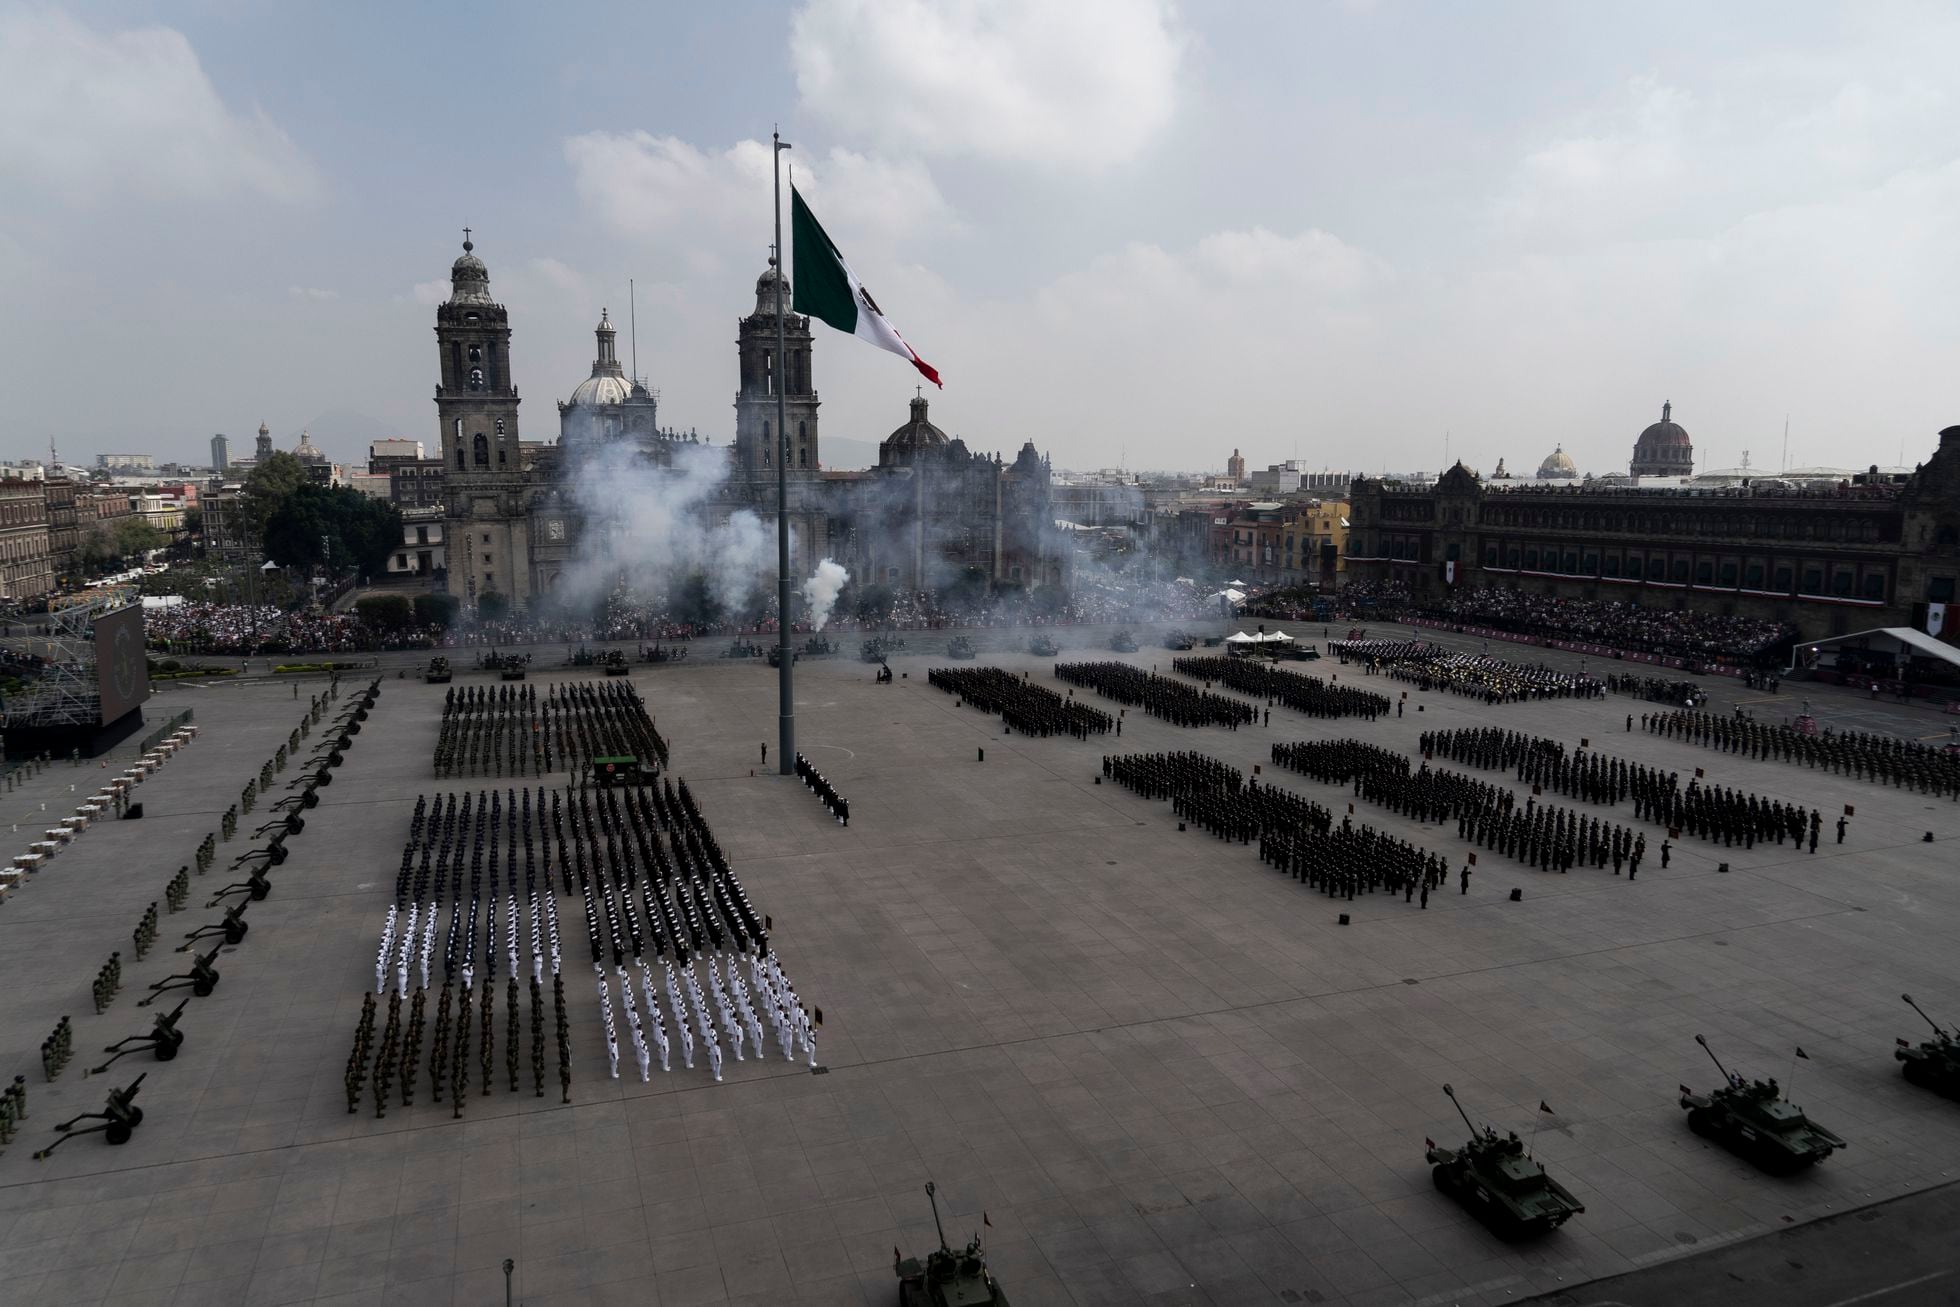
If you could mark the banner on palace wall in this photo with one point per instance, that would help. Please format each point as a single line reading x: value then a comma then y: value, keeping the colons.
x: 1935, y: 618
x: 1449, y: 572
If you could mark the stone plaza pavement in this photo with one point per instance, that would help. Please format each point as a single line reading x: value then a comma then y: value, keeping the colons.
x: 1161, y: 1070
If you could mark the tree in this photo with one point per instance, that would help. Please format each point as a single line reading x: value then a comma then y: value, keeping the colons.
x: 436, y: 609
x: 272, y: 479
x: 361, y: 532
x: 385, y: 612
x: 133, y: 536
x: 491, y: 606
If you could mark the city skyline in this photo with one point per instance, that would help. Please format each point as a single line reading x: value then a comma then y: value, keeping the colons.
x: 1663, y: 206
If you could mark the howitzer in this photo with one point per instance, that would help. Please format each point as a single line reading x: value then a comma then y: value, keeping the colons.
x: 120, y: 1117
x: 202, y: 978
x: 232, y: 927
x: 164, y: 1039
x: 1933, y: 1063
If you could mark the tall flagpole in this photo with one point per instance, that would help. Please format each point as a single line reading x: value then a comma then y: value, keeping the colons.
x: 779, y: 377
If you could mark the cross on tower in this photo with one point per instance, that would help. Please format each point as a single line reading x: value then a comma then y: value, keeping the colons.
x: 466, y: 238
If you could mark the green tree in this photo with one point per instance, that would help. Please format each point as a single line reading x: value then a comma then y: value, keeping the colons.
x: 133, y: 536
x: 385, y: 612
x: 436, y: 609
x: 360, y: 532
x: 270, y: 482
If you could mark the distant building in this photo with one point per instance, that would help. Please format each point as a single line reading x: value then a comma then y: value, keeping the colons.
x: 226, y: 535
x: 384, y: 454
x: 1235, y: 466
x: 64, y: 536
x: 421, y: 551
x: 263, y: 449
x: 1663, y: 449
x: 1558, y: 466
x: 25, y: 569
x: 126, y: 462
x: 26, y: 470
x: 417, y: 484
x: 220, y: 454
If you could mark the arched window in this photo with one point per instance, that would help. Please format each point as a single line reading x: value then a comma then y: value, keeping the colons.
x: 802, y: 457
x: 476, y: 354
x: 459, y: 455
x: 476, y: 378
x: 482, y: 450
x: 801, y: 434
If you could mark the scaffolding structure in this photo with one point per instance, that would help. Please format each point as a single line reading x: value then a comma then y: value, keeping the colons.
x: 67, y: 693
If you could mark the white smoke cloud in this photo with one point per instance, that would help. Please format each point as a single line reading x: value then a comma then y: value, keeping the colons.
x: 651, y: 528
x: 820, y: 591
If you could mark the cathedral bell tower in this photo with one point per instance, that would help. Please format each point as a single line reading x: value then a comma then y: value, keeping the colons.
x: 762, y: 372
x: 476, y: 402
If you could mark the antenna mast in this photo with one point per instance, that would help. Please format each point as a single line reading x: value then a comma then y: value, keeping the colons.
x: 633, y: 326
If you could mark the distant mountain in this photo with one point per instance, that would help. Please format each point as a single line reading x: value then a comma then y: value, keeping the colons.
x: 841, y: 454
x: 342, y: 434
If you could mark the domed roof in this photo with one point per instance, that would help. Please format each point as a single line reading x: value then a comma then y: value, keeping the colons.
x: 906, y: 443
x: 306, y: 451
x: 1664, y: 433
x: 765, y: 292
x: 1558, y: 463
x: 469, y: 279
x: 601, y: 388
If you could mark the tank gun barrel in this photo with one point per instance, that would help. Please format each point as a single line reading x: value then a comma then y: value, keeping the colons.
x: 1922, y: 1015
x: 1459, y: 1110
x: 1711, y: 1057
x: 932, y: 1196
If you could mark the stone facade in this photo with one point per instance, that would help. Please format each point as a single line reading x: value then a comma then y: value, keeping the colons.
x: 25, y: 569
x: 1862, y: 555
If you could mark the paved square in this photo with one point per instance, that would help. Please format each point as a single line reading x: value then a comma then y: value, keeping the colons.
x: 1162, y: 1071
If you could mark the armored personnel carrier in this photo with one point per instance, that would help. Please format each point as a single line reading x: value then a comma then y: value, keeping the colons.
x: 438, y: 673
x: 946, y: 1278
x: 961, y: 647
x: 1123, y: 642
x: 1935, y: 1063
x: 1500, y: 1182
x: 512, y: 668
x: 1752, y: 1119
x: 614, y: 663
x: 1043, y: 646
x: 1179, y: 640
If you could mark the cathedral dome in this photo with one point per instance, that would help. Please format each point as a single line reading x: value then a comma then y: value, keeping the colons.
x: 1664, y: 448
x: 765, y: 292
x: 469, y: 279
x: 912, y: 439
x: 601, y: 388
x: 1558, y: 463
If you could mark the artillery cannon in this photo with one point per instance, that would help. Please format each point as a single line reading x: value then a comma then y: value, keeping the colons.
x: 1935, y: 1063
x: 946, y: 1278
x: 1752, y: 1119
x: 164, y: 1039
x: 120, y: 1117
x: 1500, y: 1182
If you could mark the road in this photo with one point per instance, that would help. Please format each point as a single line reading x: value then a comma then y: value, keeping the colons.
x: 1897, y: 1254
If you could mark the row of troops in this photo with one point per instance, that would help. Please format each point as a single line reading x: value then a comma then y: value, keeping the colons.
x: 1906, y: 764
x: 1304, y: 694
x: 1023, y: 706
x: 506, y: 730
x: 814, y: 781
x: 1493, y: 680
x: 1160, y: 696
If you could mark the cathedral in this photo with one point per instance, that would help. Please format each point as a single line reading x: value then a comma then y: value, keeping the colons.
x: 930, y: 515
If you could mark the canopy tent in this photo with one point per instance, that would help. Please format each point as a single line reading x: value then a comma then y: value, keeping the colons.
x: 1241, y: 638
x: 1895, y: 640
x: 1279, y: 637
x: 1231, y: 596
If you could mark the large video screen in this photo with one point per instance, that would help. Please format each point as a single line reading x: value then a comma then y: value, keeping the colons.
x: 121, y: 673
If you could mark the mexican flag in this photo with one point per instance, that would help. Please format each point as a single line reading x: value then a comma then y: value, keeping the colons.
x: 825, y: 288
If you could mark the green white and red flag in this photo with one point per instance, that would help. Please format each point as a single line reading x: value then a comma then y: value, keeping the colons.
x: 825, y: 288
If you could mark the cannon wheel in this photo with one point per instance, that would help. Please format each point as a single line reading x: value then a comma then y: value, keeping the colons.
x: 167, y: 1049
x: 118, y: 1132
x: 203, y: 988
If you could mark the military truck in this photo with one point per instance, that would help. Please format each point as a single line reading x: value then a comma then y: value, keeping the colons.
x: 946, y: 1278
x: 1499, y: 1181
x: 1752, y: 1119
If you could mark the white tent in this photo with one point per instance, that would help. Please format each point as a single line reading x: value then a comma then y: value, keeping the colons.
x: 1231, y: 596
x: 1241, y: 638
x: 1280, y: 637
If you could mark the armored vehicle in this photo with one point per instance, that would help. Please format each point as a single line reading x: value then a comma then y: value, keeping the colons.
x: 1752, y: 1119
x: 961, y: 647
x: 1179, y: 640
x: 614, y: 662
x: 513, y: 668
x: 946, y: 1278
x: 1935, y: 1063
x: 775, y: 656
x: 1123, y: 642
x: 671, y: 653
x: 438, y: 673
x: 816, y: 646
x: 742, y: 649
x: 1043, y: 646
x: 1500, y: 1182
x: 581, y: 657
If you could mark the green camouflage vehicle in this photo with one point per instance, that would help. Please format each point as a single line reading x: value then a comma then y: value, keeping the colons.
x: 1179, y: 640
x: 1752, y: 1119
x: 946, y: 1278
x: 438, y: 673
x: 1500, y: 1183
x: 1043, y: 646
x: 1123, y: 642
x: 1935, y: 1063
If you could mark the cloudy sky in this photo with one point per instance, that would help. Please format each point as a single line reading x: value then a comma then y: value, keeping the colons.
x: 1129, y: 230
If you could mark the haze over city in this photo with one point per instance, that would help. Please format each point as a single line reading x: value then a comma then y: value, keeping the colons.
x: 1135, y: 233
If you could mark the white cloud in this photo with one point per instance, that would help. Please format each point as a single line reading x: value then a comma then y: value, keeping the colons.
x: 431, y: 292
x: 711, y: 207
x: 311, y: 293
x: 1080, y: 83
x: 87, y: 115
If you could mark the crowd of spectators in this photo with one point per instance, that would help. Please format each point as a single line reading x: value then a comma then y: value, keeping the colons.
x: 1694, y: 634
x: 243, y: 629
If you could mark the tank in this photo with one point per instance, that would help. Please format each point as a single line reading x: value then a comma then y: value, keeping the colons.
x: 1499, y: 1181
x: 1043, y: 646
x: 581, y: 657
x: 1934, y: 1063
x: 1752, y: 1119
x: 946, y: 1278
x: 1123, y: 642
x: 1179, y: 640
x: 513, y: 668
x: 961, y: 647
x: 742, y: 648
x: 614, y: 662
x: 438, y: 673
